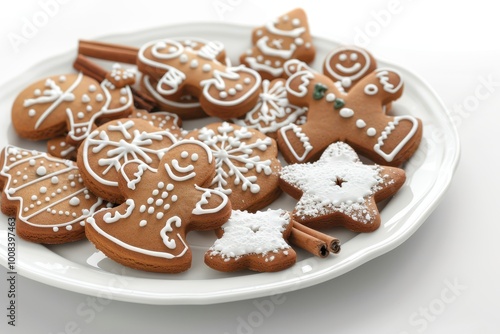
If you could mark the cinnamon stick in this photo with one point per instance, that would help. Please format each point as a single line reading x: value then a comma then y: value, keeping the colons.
x: 332, y: 243
x: 108, y: 51
x: 308, y: 243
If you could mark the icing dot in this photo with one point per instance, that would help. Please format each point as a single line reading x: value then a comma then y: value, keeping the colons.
x: 295, y: 22
x: 183, y: 58
x: 159, y: 202
x: 34, y: 198
x: 55, y: 229
x: 54, y: 180
x: 155, y: 192
x: 174, y: 198
x: 82, y: 223
x: 343, y: 57
x: 123, y: 100
x: 142, y: 209
x: 354, y: 56
x: 62, y: 78
x: 151, y: 210
x: 247, y: 81
x: 172, y: 49
x: 32, y: 113
x: 47, y: 199
x: 166, y: 207
x: 43, y: 190
x: 238, y: 87
x: 92, y: 88
x: 143, y: 223
x: 32, y: 162
x: 80, y: 115
x: 232, y: 91
x: 360, y: 123
x: 277, y: 63
x: 260, y: 58
x: 123, y: 91
x: 74, y: 201
x: 85, y: 98
x: 150, y: 200
x: 330, y: 97
x: 164, y: 194
x: 161, y: 185
x: 346, y: 112
x: 371, y: 132
x: 254, y: 188
x: 99, y: 98
x: 184, y: 154
x: 159, y: 215
x: 223, y: 95
x: 194, y: 157
x: 194, y: 63
x: 299, y: 41
x: 267, y: 62
x: 206, y: 68
x: 170, y: 187
x: 69, y: 227
x: 41, y: 171
x: 37, y: 92
x: 371, y: 89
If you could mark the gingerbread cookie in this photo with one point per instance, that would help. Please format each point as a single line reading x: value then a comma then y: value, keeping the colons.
x: 46, y: 195
x: 356, y: 117
x: 148, y: 231
x: 254, y: 241
x: 285, y: 38
x: 71, y: 104
x: 222, y: 91
x: 339, y: 190
x: 347, y: 65
x: 273, y: 110
x: 59, y: 147
x: 104, y: 152
x: 246, y: 164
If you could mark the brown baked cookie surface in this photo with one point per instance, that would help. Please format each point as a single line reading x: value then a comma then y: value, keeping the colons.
x: 339, y: 190
x: 148, y: 231
x: 46, y: 195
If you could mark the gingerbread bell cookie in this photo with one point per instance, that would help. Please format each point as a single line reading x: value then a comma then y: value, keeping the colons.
x: 71, y: 104
x: 339, y: 190
x: 46, y: 195
x: 272, y: 111
x: 104, y: 152
x: 247, y: 164
x: 254, y: 241
x: 357, y: 117
x: 284, y: 38
x: 223, y: 91
x: 148, y: 231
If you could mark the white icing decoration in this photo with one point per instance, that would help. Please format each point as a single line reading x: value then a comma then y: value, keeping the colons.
x: 268, y: 51
x: 151, y: 90
x: 302, y: 89
x: 74, y: 201
x: 287, y: 33
x: 371, y: 132
x: 360, y: 123
x: 371, y: 89
x: 383, y: 76
x: 207, y: 193
x: 346, y: 112
x: 109, y: 218
x: 356, y: 71
x: 302, y: 137
x: 330, y: 97
x: 387, y: 131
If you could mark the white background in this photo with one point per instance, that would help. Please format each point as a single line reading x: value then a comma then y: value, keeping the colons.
x: 453, y: 45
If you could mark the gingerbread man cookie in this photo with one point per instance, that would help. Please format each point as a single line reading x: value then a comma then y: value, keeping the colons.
x: 273, y: 110
x: 246, y: 164
x: 223, y: 91
x: 46, y: 195
x: 339, y: 190
x: 254, y: 241
x: 148, y: 231
x: 356, y: 117
x: 104, y: 152
x: 71, y: 104
x: 285, y: 38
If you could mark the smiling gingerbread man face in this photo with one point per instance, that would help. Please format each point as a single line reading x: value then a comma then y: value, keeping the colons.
x: 348, y: 65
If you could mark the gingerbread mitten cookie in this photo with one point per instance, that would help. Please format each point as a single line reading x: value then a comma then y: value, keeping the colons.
x: 46, y: 195
x: 246, y: 164
x: 285, y: 38
x: 356, y: 117
x: 104, y: 152
x: 223, y: 91
x: 254, y: 241
x: 148, y: 231
x: 71, y: 104
x: 339, y: 190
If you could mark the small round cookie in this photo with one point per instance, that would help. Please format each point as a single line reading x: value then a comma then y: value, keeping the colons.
x: 104, y: 152
x: 71, y: 104
x: 339, y: 190
x: 273, y: 110
x: 247, y: 164
x: 46, y: 195
x: 287, y: 37
x: 148, y: 231
x: 254, y: 241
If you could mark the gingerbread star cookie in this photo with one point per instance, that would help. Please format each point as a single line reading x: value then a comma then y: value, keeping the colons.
x: 254, y: 241
x: 339, y: 190
x: 273, y: 110
x: 148, y: 231
x: 46, y: 195
x: 282, y: 39
x: 247, y: 164
x: 71, y: 104
x: 104, y: 152
x: 357, y: 117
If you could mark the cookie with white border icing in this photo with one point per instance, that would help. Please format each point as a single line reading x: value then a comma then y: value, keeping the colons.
x: 339, y: 190
x: 46, y: 195
x: 104, y: 152
x: 254, y: 241
x: 356, y: 117
x: 247, y: 164
x: 71, y: 104
x: 148, y: 231
x: 287, y: 37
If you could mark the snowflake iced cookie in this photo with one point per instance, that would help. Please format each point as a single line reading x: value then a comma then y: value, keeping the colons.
x: 357, y: 117
x: 148, y: 231
x: 71, y: 104
x: 273, y: 110
x: 46, y: 195
x: 347, y: 65
x: 246, y: 164
x: 339, y: 190
x: 286, y: 37
x: 254, y: 241
x: 175, y: 71
x: 104, y: 152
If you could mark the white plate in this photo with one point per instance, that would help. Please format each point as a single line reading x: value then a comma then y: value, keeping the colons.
x: 78, y: 267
